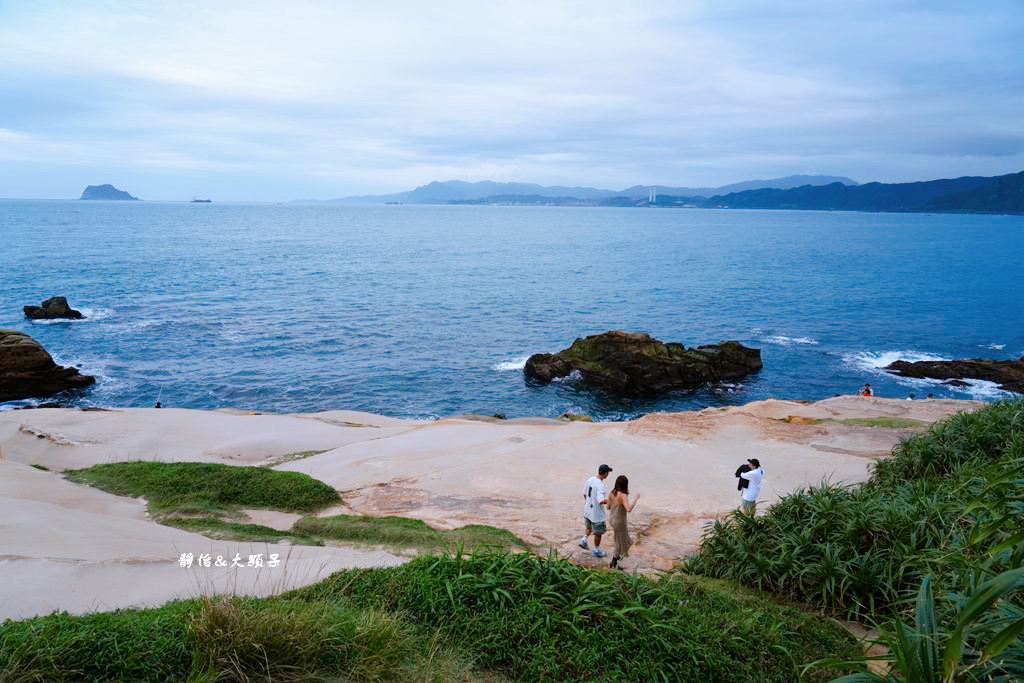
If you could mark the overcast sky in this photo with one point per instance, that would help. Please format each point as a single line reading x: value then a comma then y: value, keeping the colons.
x: 280, y: 100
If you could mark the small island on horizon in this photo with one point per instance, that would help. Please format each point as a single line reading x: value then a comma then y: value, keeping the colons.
x: 105, y: 192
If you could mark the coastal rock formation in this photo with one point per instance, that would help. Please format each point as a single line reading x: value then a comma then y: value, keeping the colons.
x: 28, y: 371
x: 105, y: 192
x: 1008, y: 374
x: 54, y: 307
x: 631, y: 364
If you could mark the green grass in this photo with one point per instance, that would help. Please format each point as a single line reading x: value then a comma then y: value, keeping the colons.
x: 298, y: 455
x: 944, y: 509
x: 530, y: 618
x: 404, y: 533
x: 226, y: 639
x: 212, y: 527
x: 208, y: 489
x: 887, y: 422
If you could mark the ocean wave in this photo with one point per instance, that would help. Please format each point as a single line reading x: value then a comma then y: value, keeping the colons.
x: 787, y: 341
x: 981, y: 389
x: 994, y: 347
x: 514, y: 364
x: 574, y: 376
x: 90, y: 315
x: 872, y: 360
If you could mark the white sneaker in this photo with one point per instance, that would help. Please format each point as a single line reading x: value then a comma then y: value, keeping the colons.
x: 598, y: 552
x: 583, y: 544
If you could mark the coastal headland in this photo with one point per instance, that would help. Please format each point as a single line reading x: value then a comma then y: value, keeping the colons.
x: 67, y: 546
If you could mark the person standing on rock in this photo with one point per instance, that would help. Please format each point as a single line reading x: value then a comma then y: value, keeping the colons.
x: 618, y: 505
x: 753, y: 477
x: 867, y: 391
x: 594, y: 500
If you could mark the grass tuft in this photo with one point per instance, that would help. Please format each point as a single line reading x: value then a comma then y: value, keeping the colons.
x: 208, y: 488
x: 405, y: 533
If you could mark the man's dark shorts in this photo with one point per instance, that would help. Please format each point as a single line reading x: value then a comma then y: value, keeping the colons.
x: 594, y: 527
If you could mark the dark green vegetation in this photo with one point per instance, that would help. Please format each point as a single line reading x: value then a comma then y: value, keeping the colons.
x: 206, y: 488
x: 944, y: 510
x: 405, y: 533
x: 500, y: 617
x: 225, y: 639
x: 532, y: 619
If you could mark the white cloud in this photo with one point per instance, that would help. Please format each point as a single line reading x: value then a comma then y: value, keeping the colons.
x: 383, y: 96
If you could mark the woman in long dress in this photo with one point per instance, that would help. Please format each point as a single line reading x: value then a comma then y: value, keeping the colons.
x: 618, y: 505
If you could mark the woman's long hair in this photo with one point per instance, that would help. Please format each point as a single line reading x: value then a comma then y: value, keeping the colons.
x: 621, y: 484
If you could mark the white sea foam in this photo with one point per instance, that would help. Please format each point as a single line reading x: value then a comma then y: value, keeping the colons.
x: 995, y: 347
x: 787, y: 341
x: 871, y: 360
x: 573, y: 376
x: 514, y: 364
x: 96, y: 313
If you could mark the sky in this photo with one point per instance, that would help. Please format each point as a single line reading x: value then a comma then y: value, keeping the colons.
x: 311, y: 99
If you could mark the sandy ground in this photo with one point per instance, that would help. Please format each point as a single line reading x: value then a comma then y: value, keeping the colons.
x: 69, y: 547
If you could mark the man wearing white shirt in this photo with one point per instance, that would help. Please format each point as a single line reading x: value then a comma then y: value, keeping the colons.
x: 594, y: 500
x: 754, y: 477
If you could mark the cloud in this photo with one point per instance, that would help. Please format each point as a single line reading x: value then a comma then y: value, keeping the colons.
x: 335, y: 98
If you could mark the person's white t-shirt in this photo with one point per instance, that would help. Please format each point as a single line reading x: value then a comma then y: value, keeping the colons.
x: 594, y: 492
x: 754, y: 488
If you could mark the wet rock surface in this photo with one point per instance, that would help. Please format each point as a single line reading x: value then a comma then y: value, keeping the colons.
x: 637, y: 364
x: 28, y: 371
x: 54, y: 307
x: 1008, y: 374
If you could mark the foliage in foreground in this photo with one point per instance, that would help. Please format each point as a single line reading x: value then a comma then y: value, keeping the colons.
x: 499, y: 616
x: 945, y: 508
x: 530, y: 619
x: 922, y: 651
x: 225, y: 639
x: 208, y: 487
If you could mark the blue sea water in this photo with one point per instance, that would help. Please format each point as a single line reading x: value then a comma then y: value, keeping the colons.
x: 431, y: 311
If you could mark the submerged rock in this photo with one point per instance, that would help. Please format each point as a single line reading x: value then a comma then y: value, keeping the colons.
x: 28, y: 371
x: 1008, y: 374
x: 54, y: 307
x: 631, y: 364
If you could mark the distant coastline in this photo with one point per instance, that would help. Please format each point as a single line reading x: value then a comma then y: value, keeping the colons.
x: 971, y: 194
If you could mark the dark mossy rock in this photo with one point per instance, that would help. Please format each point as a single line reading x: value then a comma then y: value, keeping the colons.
x: 54, y: 307
x: 28, y: 371
x: 637, y: 364
x: 1008, y: 374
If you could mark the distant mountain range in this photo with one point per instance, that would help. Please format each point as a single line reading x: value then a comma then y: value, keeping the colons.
x: 999, y: 194
x: 462, y: 191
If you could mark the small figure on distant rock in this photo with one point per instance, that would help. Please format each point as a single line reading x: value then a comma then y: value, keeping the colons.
x: 158, y: 405
x: 911, y: 397
x: 867, y: 391
x: 754, y: 476
x: 931, y: 395
x: 594, y: 498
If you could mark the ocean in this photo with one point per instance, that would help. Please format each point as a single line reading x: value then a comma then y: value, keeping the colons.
x: 431, y: 311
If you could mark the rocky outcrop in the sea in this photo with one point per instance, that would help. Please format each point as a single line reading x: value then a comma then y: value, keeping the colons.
x: 1008, y: 374
x: 28, y: 371
x: 636, y: 364
x: 105, y: 192
x: 54, y: 307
